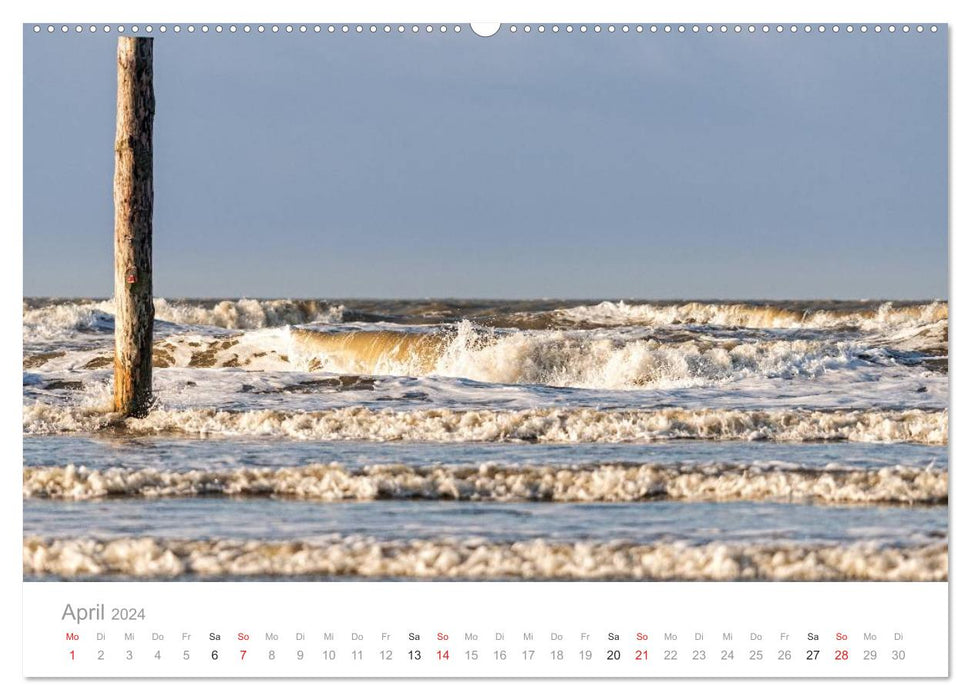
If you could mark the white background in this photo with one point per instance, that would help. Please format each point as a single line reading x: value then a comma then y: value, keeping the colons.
x: 99, y: 11
x: 761, y: 618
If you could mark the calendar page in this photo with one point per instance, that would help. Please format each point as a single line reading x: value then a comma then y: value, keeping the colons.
x: 422, y: 349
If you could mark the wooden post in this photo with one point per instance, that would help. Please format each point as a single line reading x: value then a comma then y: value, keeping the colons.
x: 134, y: 310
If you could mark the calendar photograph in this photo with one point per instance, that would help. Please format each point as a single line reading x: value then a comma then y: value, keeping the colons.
x: 463, y: 303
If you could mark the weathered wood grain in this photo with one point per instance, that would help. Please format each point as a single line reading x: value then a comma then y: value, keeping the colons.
x: 133, y: 195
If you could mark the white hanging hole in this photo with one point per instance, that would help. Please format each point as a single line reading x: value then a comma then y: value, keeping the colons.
x: 485, y: 29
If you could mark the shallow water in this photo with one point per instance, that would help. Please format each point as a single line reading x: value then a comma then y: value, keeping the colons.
x: 113, y: 450
x: 667, y: 407
x: 199, y: 518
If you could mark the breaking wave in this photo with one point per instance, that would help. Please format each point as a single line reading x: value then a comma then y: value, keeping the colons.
x: 249, y: 313
x: 489, y: 482
x: 559, y: 358
x: 747, y: 315
x: 480, y: 559
x: 51, y: 320
x: 52, y: 315
x: 552, y: 358
x: 571, y: 425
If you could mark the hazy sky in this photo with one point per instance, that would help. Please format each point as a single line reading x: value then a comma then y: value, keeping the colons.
x: 539, y: 165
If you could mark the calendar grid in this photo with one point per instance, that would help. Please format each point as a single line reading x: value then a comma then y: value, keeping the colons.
x: 485, y: 630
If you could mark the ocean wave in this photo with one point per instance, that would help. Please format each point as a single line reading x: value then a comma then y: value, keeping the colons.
x: 246, y: 314
x: 930, y: 339
x: 480, y: 559
x: 530, y: 425
x: 51, y: 320
x: 551, y: 358
x: 546, y: 358
x: 93, y: 315
x: 559, y: 358
x: 490, y: 482
x: 258, y: 350
x: 887, y: 315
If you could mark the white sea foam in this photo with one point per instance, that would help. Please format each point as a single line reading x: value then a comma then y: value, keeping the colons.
x: 249, y: 313
x: 568, y: 359
x: 628, y: 373
x: 480, y: 559
x: 552, y: 358
x: 531, y: 425
x: 492, y: 482
x: 888, y: 315
x: 602, y: 359
x: 257, y: 350
x: 54, y: 319
x: 94, y: 315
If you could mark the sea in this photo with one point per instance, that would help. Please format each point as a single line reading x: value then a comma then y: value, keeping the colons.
x: 448, y: 439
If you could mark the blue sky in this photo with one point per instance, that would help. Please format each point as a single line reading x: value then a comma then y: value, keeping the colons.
x: 554, y: 165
